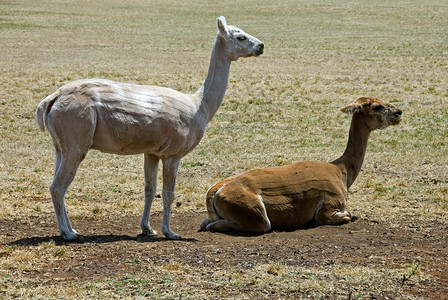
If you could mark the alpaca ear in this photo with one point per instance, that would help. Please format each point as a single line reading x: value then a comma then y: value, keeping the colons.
x: 352, y: 108
x: 221, y: 23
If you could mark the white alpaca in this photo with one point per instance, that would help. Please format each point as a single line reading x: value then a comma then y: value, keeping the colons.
x: 123, y: 118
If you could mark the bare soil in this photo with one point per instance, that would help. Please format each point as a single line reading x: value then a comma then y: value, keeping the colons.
x: 103, y: 250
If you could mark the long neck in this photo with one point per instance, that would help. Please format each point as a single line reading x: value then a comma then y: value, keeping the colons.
x: 212, y: 92
x: 353, y: 156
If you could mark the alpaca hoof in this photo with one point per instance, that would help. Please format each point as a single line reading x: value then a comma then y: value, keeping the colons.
x: 70, y: 236
x: 149, y: 232
x: 172, y: 235
x: 344, y: 217
x: 204, y: 224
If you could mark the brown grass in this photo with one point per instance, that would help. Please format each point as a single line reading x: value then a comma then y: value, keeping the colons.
x: 279, y: 108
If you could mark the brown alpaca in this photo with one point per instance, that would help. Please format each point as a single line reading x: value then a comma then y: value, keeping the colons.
x: 289, y: 197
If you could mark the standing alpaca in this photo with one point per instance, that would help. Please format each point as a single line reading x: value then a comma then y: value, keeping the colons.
x: 123, y: 118
x: 289, y: 197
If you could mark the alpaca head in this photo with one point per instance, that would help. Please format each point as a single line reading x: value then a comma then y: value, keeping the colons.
x: 237, y: 42
x: 377, y: 114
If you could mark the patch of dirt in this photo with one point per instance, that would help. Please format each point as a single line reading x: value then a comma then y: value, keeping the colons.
x: 105, y: 246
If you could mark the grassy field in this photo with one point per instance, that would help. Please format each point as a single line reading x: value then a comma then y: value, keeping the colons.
x: 279, y: 108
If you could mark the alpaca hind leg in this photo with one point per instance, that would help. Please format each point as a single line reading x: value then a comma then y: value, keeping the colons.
x: 204, y: 224
x: 170, y: 167
x: 247, y: 213
x: 212, y: 216
x: 71, y: 124
x: 63, y: 177
x: 151, y: 168
x: 222, y: 225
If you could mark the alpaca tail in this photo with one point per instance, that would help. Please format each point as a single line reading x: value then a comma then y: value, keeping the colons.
x: 43, y: 109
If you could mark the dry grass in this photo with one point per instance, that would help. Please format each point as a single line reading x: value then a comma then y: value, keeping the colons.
x: 279, y: 108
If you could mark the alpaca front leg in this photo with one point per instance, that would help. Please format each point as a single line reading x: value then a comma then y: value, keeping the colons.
x: 151, y: 168
x: 342, y: 217
x: 331, y: 211
x: 333, y: 218
x: 170, y: 167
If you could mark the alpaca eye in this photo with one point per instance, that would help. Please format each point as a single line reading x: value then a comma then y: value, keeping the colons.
x: 241, y: 38
x: 377, y: 107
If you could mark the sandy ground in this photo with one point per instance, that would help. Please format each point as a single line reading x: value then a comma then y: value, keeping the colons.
x: 102, y: 252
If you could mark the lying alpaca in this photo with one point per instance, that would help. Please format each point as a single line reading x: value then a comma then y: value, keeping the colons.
x: 289, y: 197
x: 122, y: 118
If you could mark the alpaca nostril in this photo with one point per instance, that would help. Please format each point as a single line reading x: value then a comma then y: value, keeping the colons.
x: 261, y: 45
